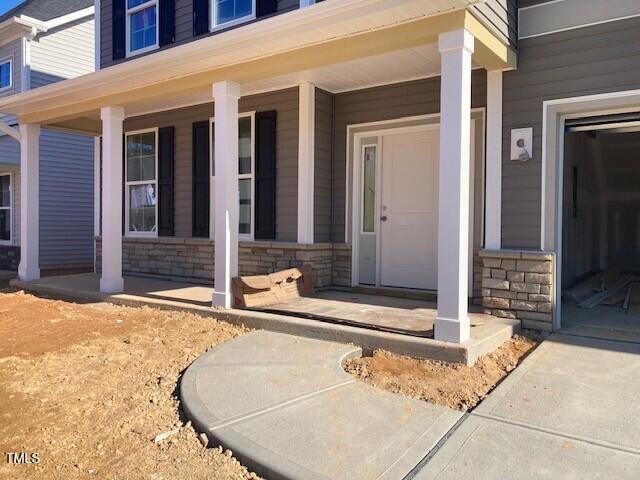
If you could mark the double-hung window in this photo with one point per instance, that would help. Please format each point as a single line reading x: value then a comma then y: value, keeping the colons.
x: 246, y: 169
x: 225, y: 13
x: 5, y: 209
x: 142, y: 26
x: 5, y: 74
x: 141, y: 186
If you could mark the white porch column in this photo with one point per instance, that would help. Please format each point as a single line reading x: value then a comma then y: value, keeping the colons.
x: 306, y: 162
x: 225, y: 96
x: 493, y: 202
x: 97, y: 173
x: 112, y: 147
x: 452, y: 321
x: 29, y: 268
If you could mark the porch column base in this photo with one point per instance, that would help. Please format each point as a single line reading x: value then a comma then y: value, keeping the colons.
x: 451, y: 330
x: 222, y: 299
x: 27, y: 274
x: 111, y: 285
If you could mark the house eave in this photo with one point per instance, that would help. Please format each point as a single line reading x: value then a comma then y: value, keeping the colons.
x: 326, y: 33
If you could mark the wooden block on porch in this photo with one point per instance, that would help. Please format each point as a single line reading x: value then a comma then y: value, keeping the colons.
x: 262, y: 290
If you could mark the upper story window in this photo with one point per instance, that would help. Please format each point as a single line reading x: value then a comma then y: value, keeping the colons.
x: 142, y: 25
x: 5, y: 74
x: 226, y: 13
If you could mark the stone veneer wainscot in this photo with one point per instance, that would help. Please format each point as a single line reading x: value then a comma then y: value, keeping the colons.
x: 519, y: 284
x: 192, y: 259
x: 9, y: 257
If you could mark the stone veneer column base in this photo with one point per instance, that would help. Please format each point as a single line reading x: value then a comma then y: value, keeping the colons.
x: 9, y: 257
x: 519, y: 284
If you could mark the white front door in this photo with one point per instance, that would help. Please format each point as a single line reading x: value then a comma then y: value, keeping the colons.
x: 409, y: 210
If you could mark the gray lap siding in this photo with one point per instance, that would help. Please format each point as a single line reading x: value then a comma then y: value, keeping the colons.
x: 285, y: 102
x: 585, y: 61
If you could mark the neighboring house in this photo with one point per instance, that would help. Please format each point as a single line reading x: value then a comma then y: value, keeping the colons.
x: 42, y: 42
x: 412, y: 145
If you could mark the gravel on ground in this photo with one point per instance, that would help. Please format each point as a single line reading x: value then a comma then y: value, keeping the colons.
x: 452, y: 385
x: 93, y: 389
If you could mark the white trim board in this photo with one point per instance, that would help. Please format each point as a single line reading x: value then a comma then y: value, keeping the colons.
x: 554, y: 114
x: 562, y: 15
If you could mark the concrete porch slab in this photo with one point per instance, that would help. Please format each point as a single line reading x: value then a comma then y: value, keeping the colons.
x: 486, y: 335
x: 288, y: 413
x: 410, y: 314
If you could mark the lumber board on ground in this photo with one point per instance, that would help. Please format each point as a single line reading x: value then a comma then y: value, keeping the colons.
x: 597, y: 298
x: 634, y: 299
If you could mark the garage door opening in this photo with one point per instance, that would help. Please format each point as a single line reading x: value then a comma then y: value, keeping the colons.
x: 601, y: 227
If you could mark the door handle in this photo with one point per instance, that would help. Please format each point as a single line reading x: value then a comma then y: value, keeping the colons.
x: 383, y: 218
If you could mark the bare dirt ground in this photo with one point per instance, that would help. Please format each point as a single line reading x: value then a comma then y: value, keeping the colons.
x: 89, y: 387
x: 448, y: 384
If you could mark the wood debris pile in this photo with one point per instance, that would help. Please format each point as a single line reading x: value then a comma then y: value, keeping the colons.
x: 608, y: 287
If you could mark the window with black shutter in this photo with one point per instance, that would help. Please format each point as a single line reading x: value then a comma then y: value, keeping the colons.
x: 265, y: 212
x: 201, y: 179
x: 166, y: 137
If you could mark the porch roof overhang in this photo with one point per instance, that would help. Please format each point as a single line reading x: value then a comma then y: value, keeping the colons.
x: 307, y: 38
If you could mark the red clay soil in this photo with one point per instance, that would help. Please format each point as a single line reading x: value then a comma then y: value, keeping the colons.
x: 449, y: 384
x: 90, y: 387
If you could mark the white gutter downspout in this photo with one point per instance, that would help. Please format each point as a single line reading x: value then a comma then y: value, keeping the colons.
x: 25, y: 72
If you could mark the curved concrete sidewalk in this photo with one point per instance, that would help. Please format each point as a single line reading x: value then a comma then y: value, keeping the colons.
x: 287, y: 409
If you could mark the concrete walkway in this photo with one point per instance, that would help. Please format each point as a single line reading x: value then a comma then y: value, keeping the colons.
x: 570, y: 411
x: 287, y: 409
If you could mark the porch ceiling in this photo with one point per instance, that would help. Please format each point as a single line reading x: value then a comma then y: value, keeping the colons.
x: 332, y: 44
x: 402, y: 65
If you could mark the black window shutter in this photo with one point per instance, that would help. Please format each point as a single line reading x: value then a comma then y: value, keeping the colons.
x: 200, y: 17
x: 166, y: 137
x: 201, y: 179
x: 167, y: 22
x: 119, y: 29
x: 265, y: 212
x: 266, y: 7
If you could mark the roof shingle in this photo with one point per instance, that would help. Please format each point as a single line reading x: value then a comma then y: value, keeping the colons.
x: 45, y: 10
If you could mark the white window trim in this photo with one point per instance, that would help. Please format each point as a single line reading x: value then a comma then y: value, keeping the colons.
x: 237, y: 21
x: 10, y: 208
x: 131, y: 11
x: 8, y: 60
x: 127, y: 184
x: 376, y: 213
x: 241, y: 236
